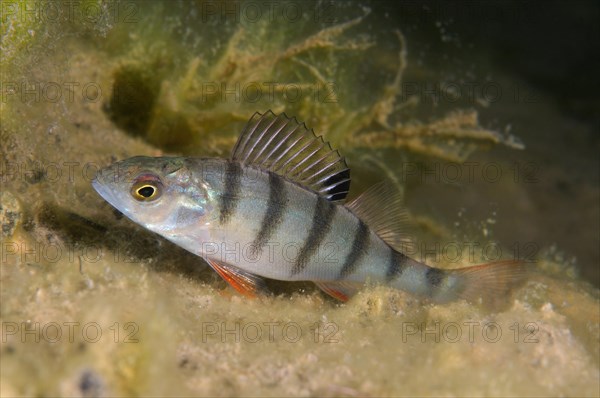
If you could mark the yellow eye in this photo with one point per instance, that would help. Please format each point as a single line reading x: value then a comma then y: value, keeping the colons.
x: 146, y: 191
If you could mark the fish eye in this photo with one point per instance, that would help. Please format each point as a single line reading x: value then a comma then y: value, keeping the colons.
x: 147, y: 191
x: 146, y: 188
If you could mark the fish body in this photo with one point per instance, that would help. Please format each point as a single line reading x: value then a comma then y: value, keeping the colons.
x: 275, y: 209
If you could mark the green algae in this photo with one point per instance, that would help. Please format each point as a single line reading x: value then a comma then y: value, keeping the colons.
x: 179, y: 105
x: 169, y: 325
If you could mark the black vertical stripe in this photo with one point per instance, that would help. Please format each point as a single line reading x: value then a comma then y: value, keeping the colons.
x: 359, y: 247
x: 231, y: 191
x: 396, y: 265
x: 321, y: 223
x: 274, y: 214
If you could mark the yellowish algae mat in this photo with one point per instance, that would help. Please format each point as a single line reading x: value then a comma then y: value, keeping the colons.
x: 93, y: 305
x: 116, y: 328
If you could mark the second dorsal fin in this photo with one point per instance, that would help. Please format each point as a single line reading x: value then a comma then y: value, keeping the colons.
x: 381, y: 208
x: 284, y: 146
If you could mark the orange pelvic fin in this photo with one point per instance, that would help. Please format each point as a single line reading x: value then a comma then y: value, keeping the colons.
x: 339, y: 290
x: 244, y: 282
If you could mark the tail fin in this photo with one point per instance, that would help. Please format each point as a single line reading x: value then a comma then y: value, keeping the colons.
x: 490, y: 283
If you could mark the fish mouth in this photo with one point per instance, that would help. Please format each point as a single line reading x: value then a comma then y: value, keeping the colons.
x: 104, y: 192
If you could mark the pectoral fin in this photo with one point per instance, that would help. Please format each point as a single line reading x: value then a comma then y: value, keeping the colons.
x: 248, y: 284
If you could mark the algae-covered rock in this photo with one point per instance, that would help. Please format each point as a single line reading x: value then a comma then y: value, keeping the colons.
x: 10, y: 213
x: 93, y: 305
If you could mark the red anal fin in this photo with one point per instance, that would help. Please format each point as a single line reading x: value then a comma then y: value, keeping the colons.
x: 244, y: 282
x: 338, y: 290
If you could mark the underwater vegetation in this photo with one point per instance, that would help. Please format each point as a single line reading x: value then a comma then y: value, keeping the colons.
x: 265, y: 65
x: 92, y: 305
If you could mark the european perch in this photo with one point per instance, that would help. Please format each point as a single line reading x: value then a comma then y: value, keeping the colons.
x: 275, y: 209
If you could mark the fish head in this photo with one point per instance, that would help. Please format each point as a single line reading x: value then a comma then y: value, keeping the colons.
x: 160, y: 194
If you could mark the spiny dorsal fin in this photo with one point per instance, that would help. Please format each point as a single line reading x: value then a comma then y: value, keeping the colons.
x: 380, y: 207
x: 284, y: 146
